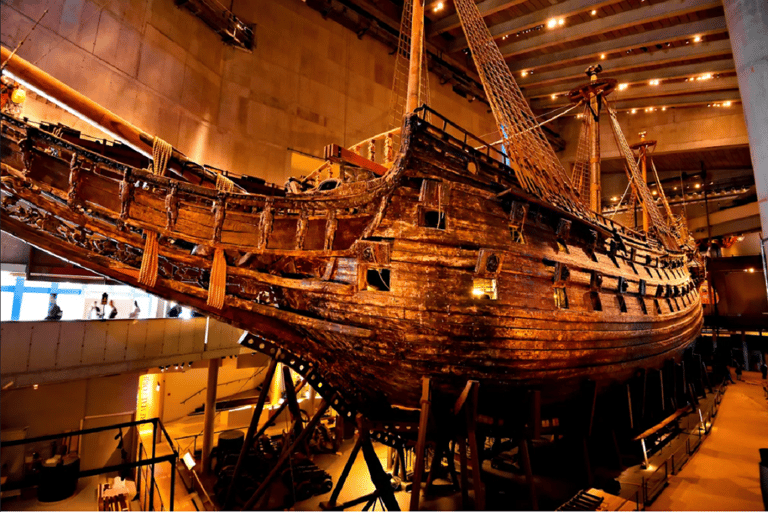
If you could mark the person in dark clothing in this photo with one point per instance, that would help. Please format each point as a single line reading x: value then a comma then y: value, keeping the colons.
x: 54, y: 311
x: 764, y: 370
x: 739, y: 369
x: 113, y: 313
x: 175, y: 311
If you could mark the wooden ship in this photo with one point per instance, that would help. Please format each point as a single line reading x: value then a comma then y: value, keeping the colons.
x: 449, y: 258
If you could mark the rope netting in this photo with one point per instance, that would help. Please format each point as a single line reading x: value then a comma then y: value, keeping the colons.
x: 580, y: 177
x: 666, y: 237
x: 534, y: 162
x: 400, y: 81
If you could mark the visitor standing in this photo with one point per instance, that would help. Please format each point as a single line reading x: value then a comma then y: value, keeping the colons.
x: 136, y: 310
x: 113, y: 313
x: 95, y: 311
x: 175, y: 311
x: 54, y: 311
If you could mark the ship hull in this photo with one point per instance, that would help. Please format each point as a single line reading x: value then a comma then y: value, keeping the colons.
x: 442, y: 268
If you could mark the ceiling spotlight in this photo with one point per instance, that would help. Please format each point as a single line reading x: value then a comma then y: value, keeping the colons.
x: 524, y: 73
x: 727, y: 104
x: 674, y: 188
x: 623, y: 86
x: 697, y: 39
x: 552, y: 23
x: 614, y: 198
x: 34, y: 386
x: 602, y: 56
x: 554, y: 96
x: 561, y: 22
x: 633, y: 111
x: 594, y: 12
x: 654, y: 82
x: 654, y: 192
x: 438, y: 7
x: 663, y: 109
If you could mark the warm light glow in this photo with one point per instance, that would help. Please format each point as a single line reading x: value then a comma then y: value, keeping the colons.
x: 623, y: 86
x: 750, y: 270
x: 34, y: 386
x: 554, y: 96
x: 524, y: 73
x: 727, y: 104
x: 654, y: 82
x: 477, y: 292
x: 663, y: 109
x: 698, y: 185
x: 740, y: 238
x: 614, y: 198
x: 561, y: 22
x: 705, y: 76
x: 602, y: 56
x: 189, y: 461
x: 633, y: 111
x: 697, y: 39
x: 674, y: 188
x: 654, y: 192
x: 438, y: 7
x: 552, y: 23
x: 19, y: 96
x: 594, y: 12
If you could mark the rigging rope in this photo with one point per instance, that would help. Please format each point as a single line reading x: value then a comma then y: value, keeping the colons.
x: 400, y: 79
x: 640, y: 187
x: 535, y: 164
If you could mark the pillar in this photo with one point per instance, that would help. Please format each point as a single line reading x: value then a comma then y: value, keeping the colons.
x: 210, y: 412
x: 747, y: 22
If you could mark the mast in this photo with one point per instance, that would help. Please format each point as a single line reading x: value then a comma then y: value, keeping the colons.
x: 586, y: 174
x: 594, y: 149
x: 642, y: 148
x: 414, y: 70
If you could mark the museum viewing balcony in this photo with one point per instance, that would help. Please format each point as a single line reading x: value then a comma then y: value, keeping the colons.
x: 36, y: 352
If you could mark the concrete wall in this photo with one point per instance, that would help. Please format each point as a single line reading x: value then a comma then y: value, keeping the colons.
x: 178, y: 386
x: 309, y: 82
x: 679, y: 129
x: 55, y: 408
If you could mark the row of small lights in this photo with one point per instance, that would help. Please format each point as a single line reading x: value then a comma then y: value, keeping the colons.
x: 654, y: 192
x: 553, y: 22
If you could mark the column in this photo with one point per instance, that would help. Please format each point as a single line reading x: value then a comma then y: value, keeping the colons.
x: 210, y: 412
x: 747, y: 22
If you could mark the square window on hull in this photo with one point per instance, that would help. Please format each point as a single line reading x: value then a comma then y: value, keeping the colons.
x: 483, y: 288
x: 377, y: 279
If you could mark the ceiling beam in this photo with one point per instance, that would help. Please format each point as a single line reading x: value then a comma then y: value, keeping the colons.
x: 614, y: 66
x: 600, y: 26
x: 656, y: 91
x: 486, y: 8
x: 685, y: 71
x: 646, y: 38
x: 536, y: 18
x: 679, y: 101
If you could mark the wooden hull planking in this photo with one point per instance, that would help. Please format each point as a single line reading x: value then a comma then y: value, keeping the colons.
x: 484, y: 282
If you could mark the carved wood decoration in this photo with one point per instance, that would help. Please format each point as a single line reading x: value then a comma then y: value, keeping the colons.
x: 351, y: 281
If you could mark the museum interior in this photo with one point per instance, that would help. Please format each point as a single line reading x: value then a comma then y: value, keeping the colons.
x: 384, y: 254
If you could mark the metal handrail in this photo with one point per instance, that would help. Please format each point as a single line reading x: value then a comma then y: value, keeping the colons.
x: 153, y: 486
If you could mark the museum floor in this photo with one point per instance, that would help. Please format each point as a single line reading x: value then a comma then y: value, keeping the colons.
x: 722, y: 475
